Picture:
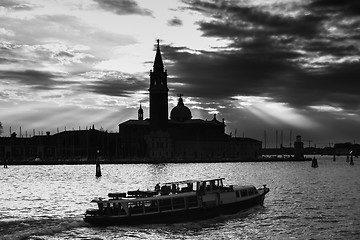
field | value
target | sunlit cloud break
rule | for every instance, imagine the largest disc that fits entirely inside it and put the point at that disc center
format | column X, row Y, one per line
column 273, row 112
column 327, row 108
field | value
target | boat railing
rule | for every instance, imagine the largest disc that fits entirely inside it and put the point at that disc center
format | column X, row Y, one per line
column 139, row 193
column 117, row 195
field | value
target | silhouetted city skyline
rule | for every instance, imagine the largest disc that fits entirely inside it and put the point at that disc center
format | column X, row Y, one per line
column 66, row 64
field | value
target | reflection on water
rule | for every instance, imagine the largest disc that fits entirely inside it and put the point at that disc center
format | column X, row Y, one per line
column 47, row 202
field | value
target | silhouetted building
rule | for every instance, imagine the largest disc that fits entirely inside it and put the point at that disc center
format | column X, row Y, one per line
column 68, row 145
column 181, row 137
column 346, row 149
column 159, row 138
column 298, row 148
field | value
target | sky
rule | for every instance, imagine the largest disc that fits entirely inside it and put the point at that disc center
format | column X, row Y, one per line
column 289, row 67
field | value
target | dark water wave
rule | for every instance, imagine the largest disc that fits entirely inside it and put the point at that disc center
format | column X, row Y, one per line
column 76, row 228
column 26, row 229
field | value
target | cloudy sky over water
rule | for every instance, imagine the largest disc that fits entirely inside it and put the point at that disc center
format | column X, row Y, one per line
column 262, row 65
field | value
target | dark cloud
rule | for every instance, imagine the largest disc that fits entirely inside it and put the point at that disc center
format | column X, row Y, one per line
column 302, row 60
column 34, row 79
column 9, row 54
column 244, row 21
column 123, row 7
column 26, row 48
column 15, row 5
column 105, row 83
column 249, row 20
column 53, row 96
column 64, row 54
column 335, row 85
column 346, row 7
column 175, row 22
column 223, row 75
column 115, row 83
column 220, row 76
column 6, row 60
column 333, row 46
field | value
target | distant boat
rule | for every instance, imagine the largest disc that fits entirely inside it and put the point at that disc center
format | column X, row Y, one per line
column 175, row 202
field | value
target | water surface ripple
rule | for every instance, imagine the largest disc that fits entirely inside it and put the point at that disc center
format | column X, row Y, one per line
column 48, row 202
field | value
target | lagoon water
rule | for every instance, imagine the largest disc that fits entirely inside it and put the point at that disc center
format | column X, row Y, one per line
column 48, row 202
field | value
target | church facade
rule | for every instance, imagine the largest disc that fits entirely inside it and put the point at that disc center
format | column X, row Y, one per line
column 180, row 138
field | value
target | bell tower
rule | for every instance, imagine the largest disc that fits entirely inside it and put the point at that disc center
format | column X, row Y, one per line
column 140, row 113
column 158, row 93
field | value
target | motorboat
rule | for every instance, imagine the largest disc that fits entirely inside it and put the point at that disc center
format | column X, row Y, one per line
column 175, row 202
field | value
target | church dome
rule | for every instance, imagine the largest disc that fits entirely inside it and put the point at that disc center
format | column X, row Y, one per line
column 180, row 113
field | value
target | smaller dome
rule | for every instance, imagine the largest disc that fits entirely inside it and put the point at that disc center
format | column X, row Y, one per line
column 180, row 113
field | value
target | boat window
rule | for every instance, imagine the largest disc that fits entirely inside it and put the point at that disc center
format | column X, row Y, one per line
column 121, row 210
column 208, row 188
column 151, row 206
column 251, row 191
column 192, row 201
column 202, row 187
column 136, row 207
column 178, row 203
column 174, row 188
column 213, row 185
column 165, row 204
column 243, row 193
column 108, row 207
column 237, row 194
column 116, row 209
column 220, row 183
column 101, row 206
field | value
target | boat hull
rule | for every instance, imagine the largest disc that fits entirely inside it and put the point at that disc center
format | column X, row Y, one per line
column 191, row 214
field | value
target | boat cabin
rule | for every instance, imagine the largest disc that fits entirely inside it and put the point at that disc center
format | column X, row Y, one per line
column 147, row 205
column 172, row 196
column 199, row 186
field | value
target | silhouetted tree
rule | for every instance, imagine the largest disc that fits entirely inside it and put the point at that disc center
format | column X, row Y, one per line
column 1, row 128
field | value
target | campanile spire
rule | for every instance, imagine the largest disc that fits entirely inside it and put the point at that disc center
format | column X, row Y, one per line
column 158, row 93
column 158, row 63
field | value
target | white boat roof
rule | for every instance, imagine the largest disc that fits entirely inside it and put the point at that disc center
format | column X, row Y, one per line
column 137, row 199
column 238, row 187
column 194, row 181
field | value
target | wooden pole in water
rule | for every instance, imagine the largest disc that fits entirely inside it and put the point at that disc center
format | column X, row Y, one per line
column 351, row 160
column 314, row 163
column 98, row 169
